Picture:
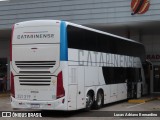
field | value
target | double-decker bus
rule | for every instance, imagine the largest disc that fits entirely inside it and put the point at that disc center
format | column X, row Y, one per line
column 58, row 65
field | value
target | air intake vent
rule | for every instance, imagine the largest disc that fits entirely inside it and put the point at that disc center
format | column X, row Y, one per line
column 35, row 64
column 35, row 81
column 34, row 72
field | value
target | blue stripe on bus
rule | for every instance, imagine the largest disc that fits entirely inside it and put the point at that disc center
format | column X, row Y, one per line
column 63, row 42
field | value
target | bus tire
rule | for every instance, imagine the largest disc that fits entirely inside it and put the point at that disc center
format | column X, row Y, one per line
column 99, row 100
column 89, row 100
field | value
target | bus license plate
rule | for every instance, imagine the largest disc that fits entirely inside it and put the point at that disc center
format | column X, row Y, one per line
column 35, row 105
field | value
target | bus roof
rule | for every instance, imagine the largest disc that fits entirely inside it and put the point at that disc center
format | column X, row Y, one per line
column 49, row 22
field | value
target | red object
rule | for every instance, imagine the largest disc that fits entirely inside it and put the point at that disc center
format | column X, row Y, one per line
column 12, row 85
column 140, row 6
column 153, row 57
column 49, row 104
column 60, row 88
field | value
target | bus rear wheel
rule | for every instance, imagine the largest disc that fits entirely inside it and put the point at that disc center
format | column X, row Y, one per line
column 99, row 100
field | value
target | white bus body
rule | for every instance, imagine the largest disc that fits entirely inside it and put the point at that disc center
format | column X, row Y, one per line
column 48, row 72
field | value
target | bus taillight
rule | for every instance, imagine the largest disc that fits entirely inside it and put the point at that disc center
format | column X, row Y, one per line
column 12, row 85
column 60, row 88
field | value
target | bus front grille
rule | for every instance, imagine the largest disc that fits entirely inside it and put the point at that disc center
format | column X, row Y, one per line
column 35, row 81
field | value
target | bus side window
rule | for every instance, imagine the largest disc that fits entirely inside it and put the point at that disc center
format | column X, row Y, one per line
column 114, row 75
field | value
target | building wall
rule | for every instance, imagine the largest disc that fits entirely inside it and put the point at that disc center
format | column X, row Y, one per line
column 4, row 48
column 78, row 11
column 152, row 43
column 4, row 53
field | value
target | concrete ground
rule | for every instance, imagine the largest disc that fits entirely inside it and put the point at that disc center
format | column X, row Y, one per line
column 111, row 110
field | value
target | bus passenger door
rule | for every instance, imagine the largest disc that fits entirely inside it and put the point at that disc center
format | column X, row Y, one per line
column 156, row 78
column 81, row 91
